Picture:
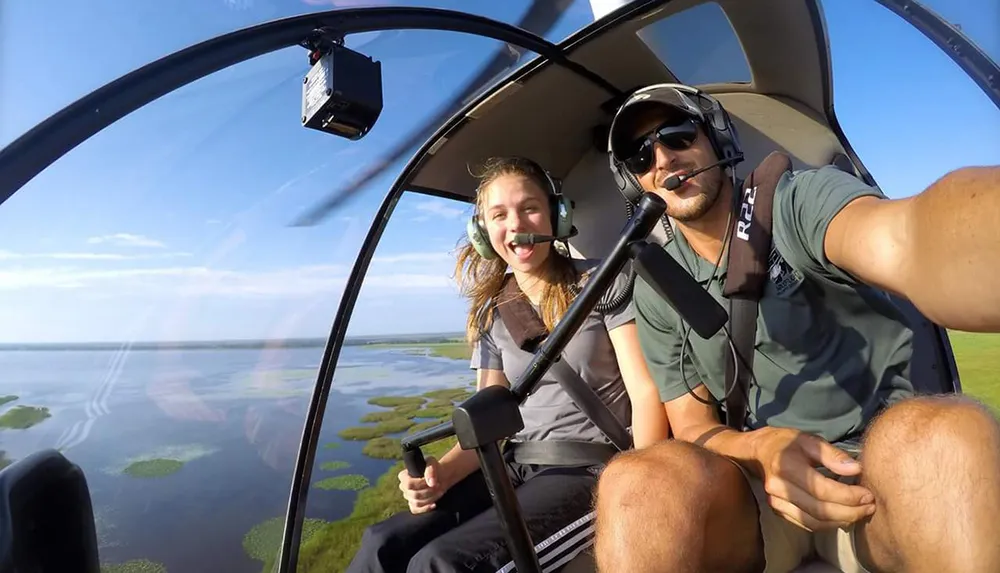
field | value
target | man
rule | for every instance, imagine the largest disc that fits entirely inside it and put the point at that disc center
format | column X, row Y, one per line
column 830, row 369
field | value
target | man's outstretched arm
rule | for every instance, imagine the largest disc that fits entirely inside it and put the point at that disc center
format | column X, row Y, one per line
column 939, row 249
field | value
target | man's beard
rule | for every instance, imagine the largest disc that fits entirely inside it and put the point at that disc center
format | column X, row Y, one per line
column 693, row 208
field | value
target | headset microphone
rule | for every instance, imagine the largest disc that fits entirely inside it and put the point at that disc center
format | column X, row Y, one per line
column 535, row 238
column 532, row 238
column 675, row 181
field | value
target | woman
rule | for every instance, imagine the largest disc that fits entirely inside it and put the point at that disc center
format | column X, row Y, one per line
column 451, row 526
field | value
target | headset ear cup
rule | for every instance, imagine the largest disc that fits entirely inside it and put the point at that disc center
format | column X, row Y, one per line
column 478, row 239
column 635, row 189
column 563, row 216
column 628, row 186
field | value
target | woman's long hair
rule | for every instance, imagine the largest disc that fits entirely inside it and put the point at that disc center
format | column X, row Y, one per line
column 482, row 280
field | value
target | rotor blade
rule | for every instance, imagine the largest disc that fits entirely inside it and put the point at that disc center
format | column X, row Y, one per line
column 539, row 19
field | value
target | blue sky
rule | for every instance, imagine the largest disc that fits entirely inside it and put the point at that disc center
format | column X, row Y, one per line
column 173, row 223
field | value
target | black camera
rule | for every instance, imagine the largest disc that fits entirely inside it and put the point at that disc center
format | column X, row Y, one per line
column 342, row 93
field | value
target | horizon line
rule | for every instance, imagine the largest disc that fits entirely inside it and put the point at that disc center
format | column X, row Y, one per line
column 312, row 340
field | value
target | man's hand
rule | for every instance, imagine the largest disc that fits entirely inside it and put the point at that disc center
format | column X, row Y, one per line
column 797, row 491
column 422, row 493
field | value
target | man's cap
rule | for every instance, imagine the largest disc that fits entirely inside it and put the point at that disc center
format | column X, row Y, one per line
column 665, row 96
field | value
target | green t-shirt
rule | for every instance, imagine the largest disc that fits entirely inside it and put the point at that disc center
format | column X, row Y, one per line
column 830, row 351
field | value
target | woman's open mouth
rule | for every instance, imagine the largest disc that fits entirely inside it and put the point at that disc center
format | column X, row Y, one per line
column 522, row 252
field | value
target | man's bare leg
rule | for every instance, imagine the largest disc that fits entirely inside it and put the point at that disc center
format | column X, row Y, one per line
column 676, row 507
column 933, row 464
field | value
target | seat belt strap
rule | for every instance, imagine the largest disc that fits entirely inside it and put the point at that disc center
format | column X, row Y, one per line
column 746, row 276
column 587, row 400
column 562, row 453
column 528, row 332
column 743, row 327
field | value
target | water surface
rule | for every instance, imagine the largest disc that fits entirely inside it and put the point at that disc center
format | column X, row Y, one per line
column 233, row 416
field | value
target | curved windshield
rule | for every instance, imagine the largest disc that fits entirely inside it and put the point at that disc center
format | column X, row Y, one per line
column 403, row 367
column 977, row 19
column 86, row 45
column 163, row 321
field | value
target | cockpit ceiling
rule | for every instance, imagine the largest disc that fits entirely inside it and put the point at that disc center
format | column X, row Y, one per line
column 552, row 115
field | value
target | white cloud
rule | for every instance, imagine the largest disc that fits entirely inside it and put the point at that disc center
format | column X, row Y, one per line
column 429, row 257
column 127, row 240
column 303, row 281
column 73, row 278
column 85, row 256
column 440, row 209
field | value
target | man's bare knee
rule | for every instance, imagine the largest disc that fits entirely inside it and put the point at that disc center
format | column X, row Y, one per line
column 947, row 427
column 657, row 507
column 669, row 460
column 933, row 461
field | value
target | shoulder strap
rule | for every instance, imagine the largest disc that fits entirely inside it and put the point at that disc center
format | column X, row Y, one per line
column 749, row 248
column 528, row 332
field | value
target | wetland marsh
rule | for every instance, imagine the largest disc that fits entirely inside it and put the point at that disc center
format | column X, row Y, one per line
column 189, row 450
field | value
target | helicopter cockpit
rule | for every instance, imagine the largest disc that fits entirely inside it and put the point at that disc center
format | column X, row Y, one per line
column 231, row 269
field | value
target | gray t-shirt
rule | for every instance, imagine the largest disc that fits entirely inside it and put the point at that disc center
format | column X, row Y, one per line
column 548, row 412
column 830, row 351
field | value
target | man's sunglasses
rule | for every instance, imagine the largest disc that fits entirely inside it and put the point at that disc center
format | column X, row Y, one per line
column 638, row 156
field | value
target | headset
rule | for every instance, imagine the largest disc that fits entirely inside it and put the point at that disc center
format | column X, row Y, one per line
column 560, row 207
column 721, row 132
column 722, row 135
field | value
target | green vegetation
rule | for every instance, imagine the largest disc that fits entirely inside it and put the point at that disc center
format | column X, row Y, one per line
column 332, row 445
column 6, row 399
column 423, row 426
column 330, row 546
column 346, row 482
column 386, row 416
column 393, row 426
column 134, row 566
column 407, row 409
column 4, row 460
column 334, row 466
column 455, row 348
column 448, row 394
column 978, row 359
column 334, row 545
column 262, row 542
column 433, row 413
column 23, row 417
column 158, row 467
column 360, row 433
column 383, row 449
column 396, row 401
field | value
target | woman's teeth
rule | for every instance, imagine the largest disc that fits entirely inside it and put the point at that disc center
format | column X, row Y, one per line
column 522, row 251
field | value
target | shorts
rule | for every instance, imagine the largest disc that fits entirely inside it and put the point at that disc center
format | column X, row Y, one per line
column 788, row 546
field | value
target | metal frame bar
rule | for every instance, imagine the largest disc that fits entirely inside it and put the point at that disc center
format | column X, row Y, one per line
column 424, row 190
column 292, row 532
column 297, row 496
column 963, row 51
column 35, row 150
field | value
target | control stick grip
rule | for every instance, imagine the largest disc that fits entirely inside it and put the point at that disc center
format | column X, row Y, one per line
column 414, row 461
